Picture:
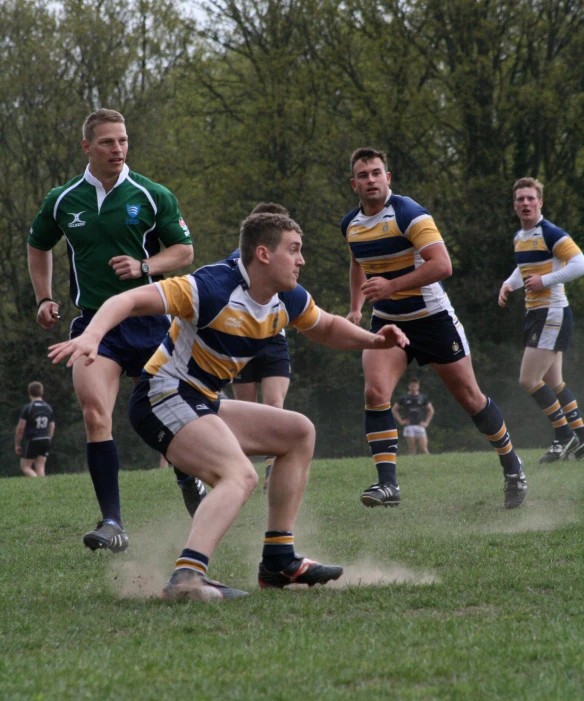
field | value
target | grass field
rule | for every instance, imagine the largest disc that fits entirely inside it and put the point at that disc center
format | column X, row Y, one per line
column 448, row 596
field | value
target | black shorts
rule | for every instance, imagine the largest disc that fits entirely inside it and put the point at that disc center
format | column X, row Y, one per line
column 272, row 361
column 438, row 338
column 158, row 412
column 130, row 344
column 549, row 328
column 36, row 447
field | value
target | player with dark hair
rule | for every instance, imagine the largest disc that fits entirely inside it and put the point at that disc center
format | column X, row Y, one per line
column 224, row 315
column 547, row 257
column 37, row 426
column 115, row 222
column 418, row 414
column 398, row 259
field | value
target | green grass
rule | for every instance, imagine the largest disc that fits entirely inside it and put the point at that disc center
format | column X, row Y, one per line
column 459, row 599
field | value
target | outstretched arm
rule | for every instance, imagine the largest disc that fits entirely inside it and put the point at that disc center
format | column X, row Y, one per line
column 139, row 302
column 336, row 332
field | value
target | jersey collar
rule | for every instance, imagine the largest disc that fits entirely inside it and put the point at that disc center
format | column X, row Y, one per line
column 243, row 272
column 101, row 193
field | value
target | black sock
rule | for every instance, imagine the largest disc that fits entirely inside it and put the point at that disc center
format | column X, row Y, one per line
column 104, row 464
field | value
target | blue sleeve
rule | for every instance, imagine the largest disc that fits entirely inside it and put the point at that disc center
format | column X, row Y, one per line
column 407, row 211
column 347, row 219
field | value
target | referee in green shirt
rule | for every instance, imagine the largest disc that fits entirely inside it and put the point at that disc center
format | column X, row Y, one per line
column 114, row 221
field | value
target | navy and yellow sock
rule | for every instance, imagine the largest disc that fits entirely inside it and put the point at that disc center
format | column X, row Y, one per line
column 547, row 401
column 382, row 438
column 278, row 550
column 491, row 424
column 571, row 411
column 192, row 560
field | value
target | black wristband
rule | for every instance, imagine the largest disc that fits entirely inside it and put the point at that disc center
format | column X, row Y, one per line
column 44, row 299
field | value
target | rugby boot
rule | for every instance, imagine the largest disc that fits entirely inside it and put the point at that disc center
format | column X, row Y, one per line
column 108, row 536
column 515, row 488
column 187, row 585
column 559, row 451
column 300, row 571
column 381, row 494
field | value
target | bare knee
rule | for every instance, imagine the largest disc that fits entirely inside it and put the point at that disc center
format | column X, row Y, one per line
column 97, row 420
column 472, row 400
column 374, row 396
column 245, row 479
column 305, row 433
column 527, row 383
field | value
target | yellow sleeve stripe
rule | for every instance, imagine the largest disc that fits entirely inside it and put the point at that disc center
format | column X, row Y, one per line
column 309, row 317
column 423, row 231
column 178, row 293
column 566, row 248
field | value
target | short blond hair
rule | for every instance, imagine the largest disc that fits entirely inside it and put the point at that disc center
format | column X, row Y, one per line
column 101, row 116
column 529, row 182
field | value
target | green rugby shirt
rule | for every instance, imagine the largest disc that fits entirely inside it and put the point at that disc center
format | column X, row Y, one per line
column 131, row 219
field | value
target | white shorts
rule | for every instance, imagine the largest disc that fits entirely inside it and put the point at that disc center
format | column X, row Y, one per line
column 414, row 432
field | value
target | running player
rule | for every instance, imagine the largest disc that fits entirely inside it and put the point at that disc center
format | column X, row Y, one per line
column 36, row 426
column 398, row 259
column 269, row 371
column 546, row 257
column 114, row 221
column 224, row 315
column 418, row 414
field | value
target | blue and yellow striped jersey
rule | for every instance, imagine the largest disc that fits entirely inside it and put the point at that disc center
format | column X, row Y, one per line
column 218, row 327
column 388, row 245
column 544, row 249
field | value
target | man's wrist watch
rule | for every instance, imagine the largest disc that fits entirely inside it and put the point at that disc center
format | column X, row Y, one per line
column 145, row 268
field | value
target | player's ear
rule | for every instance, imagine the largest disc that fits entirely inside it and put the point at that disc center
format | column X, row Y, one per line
column 263, row 254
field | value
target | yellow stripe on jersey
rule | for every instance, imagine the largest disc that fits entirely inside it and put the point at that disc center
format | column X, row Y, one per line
column 156, row 362
column 240, row 323
column 308, row 318
column 423, row 231
column 566, row 248
column 225, row 368
column 407, row 293
column 543, row 268
column 388, row 265
column 381, row 230
column 530, row 244
column 537, row 299
column 174, row 331
column 179, row 297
